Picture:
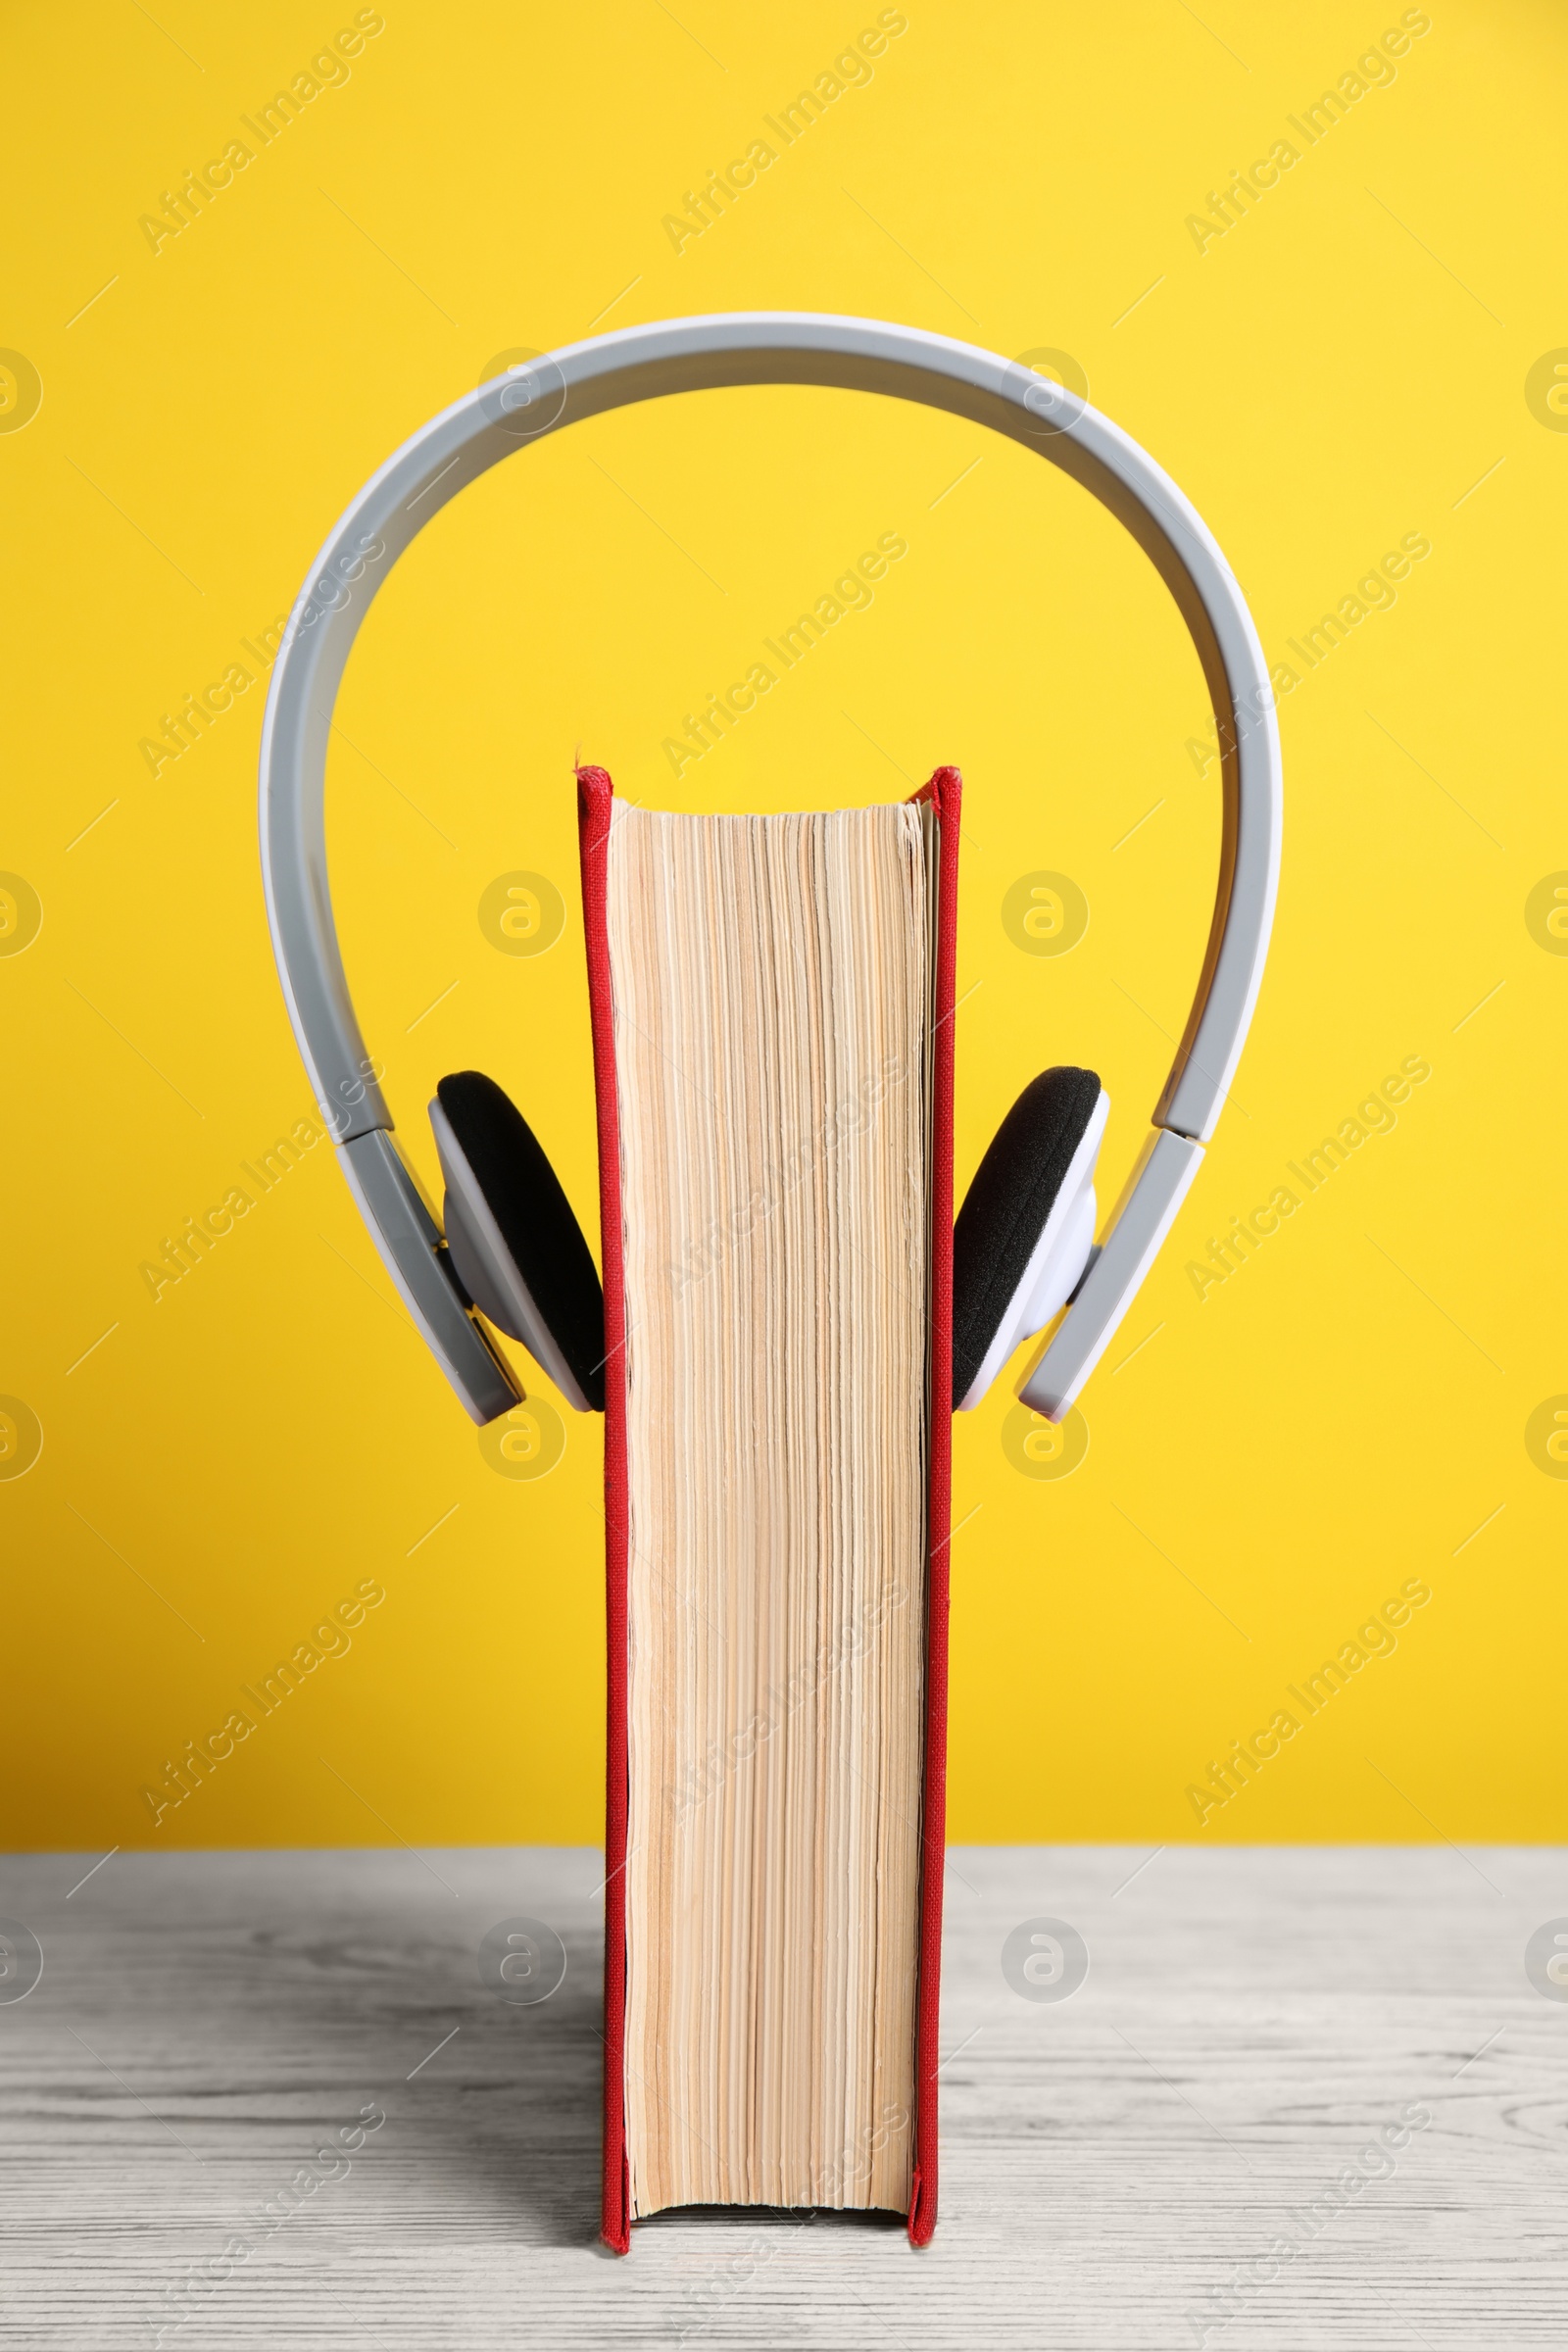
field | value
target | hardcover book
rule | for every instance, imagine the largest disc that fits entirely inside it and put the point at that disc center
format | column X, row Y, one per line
column 772, row 1020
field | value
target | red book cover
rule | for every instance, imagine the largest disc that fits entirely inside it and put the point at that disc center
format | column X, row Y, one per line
column 596, row 797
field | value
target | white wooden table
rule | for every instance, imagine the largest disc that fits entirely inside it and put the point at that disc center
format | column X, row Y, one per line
column 1252, row 2019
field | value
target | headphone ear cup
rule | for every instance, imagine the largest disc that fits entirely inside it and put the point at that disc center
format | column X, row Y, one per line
column 517, row 1247
column 1024, row 1235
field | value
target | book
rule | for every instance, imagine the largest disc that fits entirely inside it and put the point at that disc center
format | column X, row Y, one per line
column 771, row 1001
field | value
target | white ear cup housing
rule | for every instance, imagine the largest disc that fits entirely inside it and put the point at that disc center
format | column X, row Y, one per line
column 1057, row 1264
column 486, row 1267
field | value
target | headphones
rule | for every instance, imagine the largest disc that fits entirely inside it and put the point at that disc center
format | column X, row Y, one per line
column 508, row 1249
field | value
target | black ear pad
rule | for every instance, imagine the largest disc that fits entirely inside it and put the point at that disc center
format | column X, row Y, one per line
column 1006, row 1207
column 537, row 1224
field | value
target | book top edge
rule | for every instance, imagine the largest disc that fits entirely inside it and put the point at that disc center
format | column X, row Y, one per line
column 621, row 810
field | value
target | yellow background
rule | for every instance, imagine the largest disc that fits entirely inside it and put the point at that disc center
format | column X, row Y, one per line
column 1335, row 372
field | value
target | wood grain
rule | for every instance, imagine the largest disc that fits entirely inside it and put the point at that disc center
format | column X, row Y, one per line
column 1251, row 2019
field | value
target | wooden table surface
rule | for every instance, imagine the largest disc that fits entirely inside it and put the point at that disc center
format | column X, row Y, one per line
column 1118, row 2165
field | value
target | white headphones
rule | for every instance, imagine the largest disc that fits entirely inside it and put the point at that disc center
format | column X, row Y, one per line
column 1023, row 1244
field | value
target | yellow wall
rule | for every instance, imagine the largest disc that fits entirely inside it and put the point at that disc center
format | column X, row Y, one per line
column 1347, row 365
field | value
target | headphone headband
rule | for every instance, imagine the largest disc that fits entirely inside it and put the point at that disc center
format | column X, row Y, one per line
column 648, row 362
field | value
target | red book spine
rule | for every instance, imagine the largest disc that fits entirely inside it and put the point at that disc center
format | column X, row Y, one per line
column 595, row 804
column 945, row 792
